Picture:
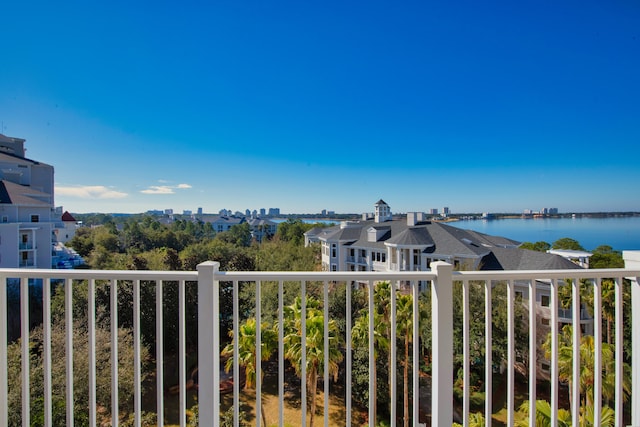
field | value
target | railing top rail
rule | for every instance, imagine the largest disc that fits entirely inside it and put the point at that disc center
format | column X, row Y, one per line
column 97, row 274
column 426, row 275
column 602, row 273
column 323, row 275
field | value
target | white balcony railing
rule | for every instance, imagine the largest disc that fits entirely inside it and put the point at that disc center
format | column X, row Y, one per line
column 213, row 286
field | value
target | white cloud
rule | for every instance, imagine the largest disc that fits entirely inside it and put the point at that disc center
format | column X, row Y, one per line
column 90, row 192
column 158, row 189
column 164, row 189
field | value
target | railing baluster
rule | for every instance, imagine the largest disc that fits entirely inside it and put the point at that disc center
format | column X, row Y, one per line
column 393, row 380
column 4, row 374
column 619, row 338
column 68, row 325
column 575, row 389
column 280, row 353
column 510, row 354
column 137, row 363
column 349, row 355
column 553, row 306
column 182, row 350
column 303, row 351
column 597, row 357
column 92, row 352
column 114, row 353
column 326, row 354
column 159, row 354
column 372, row 379
column 533, row 351
column 46, row 354
column 488, row 352
column 24, row 333
column 236, row 356
column 258, row 366
column 465, row 352
column 416, row 353
column 635, row 351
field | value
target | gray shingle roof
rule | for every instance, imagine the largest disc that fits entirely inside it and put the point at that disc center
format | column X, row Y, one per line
column 16, row 194
column 412, row 236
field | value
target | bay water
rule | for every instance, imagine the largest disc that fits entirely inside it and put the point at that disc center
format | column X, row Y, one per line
column 619, row 232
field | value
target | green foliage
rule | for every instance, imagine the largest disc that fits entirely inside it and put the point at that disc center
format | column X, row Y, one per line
column 605, row 257
column 292, row 230
column 239, row 235
column 567, row 243
column 537, row 246
column 81, row 371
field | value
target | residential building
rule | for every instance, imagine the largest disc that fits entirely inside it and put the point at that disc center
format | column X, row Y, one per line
column 261, row 228
column 68, row 229
column 222, row 223
column 27, row 220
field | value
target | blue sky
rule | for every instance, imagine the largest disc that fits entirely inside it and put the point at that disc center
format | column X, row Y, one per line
column 328, row 105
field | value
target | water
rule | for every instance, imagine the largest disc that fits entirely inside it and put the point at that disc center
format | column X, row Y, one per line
column 621, row 233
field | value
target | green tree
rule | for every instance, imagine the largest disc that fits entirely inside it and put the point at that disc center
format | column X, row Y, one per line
column 587, row 368
column 314, row 344
column 247, row 351
column 605, row 257
column 537, row 246
column 567, row 243
column 80, row 374
column 404, row 322
column 360, row 339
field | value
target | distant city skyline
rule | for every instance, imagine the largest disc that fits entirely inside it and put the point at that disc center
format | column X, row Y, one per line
column 330, row 106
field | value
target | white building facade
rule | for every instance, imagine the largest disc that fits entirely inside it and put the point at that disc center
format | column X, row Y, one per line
column 27, row 221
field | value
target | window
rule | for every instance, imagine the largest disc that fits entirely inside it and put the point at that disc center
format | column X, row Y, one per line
column 334, row 267
column 544, row 300
column 334, row 252
column 35, row 218
column 5, row 218
column 25, row 238
column 545, row 367
column 544, row 321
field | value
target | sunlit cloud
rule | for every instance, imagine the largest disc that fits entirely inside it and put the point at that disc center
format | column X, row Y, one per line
column 90, row 192
column 165, row 189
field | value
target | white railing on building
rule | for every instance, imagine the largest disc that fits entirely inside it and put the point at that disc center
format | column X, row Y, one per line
column 209, row 279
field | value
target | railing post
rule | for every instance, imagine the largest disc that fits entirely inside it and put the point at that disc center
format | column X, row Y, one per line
column 442, row 344
column 632, row 261
column 208, row 344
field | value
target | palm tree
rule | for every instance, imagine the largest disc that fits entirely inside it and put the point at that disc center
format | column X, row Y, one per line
column 382, row 302
column 404, row 324
column 587, row 368
column 543, row 415
column 360, row 338
column 247, row 351
column 313, row 347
